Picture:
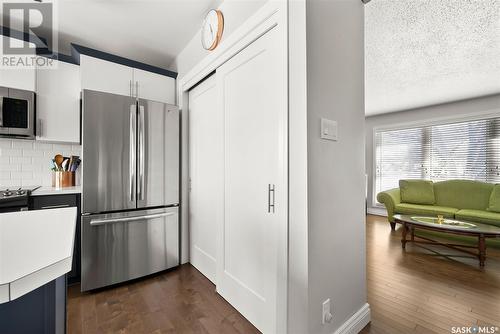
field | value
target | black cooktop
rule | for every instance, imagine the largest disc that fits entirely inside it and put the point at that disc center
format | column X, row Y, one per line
column 15, row 196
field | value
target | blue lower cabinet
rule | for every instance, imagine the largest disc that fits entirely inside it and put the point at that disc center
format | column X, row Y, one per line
column 41, row 311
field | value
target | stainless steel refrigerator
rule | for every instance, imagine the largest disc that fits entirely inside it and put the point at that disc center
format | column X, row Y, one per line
column 130, row 188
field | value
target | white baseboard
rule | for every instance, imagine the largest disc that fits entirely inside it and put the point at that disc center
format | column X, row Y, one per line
column 377, row 211
column 357, row 322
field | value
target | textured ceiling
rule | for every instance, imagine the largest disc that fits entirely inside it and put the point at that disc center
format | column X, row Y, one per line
column 425, row 52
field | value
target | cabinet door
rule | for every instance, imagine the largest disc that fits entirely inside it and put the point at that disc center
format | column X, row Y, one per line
column 105, row 76
column 206, row 176
column 154, row 87
column 58, row 103
column 63, row 201
column 20, row 78
column 251, row 257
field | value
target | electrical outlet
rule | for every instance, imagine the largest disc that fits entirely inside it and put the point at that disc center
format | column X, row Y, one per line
column 327, row 312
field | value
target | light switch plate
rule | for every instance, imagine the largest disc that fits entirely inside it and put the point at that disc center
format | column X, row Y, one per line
column 329, row 129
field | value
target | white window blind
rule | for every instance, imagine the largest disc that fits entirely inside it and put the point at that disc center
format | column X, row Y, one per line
column 463, row 150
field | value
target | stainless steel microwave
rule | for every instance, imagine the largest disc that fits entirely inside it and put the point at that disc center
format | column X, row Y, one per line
column 17, row 113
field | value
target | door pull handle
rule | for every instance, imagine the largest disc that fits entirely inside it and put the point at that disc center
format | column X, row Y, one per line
column 270, row 198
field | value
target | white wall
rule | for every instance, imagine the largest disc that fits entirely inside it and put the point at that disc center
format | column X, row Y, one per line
column 235, row 13
column 453, row 110
column 27, row 162
column 298, row 286
column 335, row 90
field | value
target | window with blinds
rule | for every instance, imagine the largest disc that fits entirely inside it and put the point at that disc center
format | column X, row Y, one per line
column 464, row 150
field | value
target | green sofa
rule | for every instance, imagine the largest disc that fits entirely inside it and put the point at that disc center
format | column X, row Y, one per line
column 460, row 199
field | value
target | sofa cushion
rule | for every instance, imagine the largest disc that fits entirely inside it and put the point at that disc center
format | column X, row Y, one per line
column 425, row 210
column 417, row 191
column 463, row 194
column 480, row 216
column 495, row 199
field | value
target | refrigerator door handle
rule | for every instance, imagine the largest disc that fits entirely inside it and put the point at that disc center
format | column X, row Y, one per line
column 97, row 222
column 141, row 153
column 132, row 152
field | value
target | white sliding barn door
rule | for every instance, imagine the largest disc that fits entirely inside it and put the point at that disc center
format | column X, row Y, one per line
column 252, row 245
column 206, row 172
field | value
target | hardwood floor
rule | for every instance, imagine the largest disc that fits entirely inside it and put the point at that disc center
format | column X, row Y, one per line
column 421, row 291
column 417, row 291
column 178, row 301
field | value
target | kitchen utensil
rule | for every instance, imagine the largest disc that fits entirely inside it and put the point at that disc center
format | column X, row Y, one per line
column 59, row 159
column 65, row 165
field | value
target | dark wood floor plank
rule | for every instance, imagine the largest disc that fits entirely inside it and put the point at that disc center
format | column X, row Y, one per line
column 177, row 301
column 417, row 291
column 423, row 290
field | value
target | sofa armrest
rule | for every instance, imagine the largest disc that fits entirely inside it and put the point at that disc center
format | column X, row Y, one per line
column 390, row 198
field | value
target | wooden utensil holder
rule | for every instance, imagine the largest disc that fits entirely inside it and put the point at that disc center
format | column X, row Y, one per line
column 63, row 179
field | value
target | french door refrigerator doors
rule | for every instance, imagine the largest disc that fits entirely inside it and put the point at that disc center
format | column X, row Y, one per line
column 117, row 247
column 109, row 136
column 157, row 154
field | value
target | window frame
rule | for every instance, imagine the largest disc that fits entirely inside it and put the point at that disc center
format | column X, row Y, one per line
column 484, row 115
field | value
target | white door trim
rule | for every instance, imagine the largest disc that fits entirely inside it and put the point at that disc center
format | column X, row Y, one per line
column 271, row 14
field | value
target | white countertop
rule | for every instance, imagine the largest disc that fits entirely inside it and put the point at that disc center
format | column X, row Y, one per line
column 36, row 247
column 56, row 191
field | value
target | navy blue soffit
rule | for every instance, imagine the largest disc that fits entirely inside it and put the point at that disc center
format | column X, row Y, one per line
column 56, row 56
column 77, row 50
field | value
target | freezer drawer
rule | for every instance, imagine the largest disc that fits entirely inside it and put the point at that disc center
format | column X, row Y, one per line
column 121, row 246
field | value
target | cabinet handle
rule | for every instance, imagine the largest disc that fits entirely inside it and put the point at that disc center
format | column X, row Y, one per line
column 130, row 88
column 55, row 206
column 137, row 89
column 270, row 198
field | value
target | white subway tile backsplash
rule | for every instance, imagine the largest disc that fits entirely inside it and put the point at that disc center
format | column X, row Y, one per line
column 4, row 175
column 28, row 163
column 61, row 147
column 22, row 144
column 10, row 168
column 9, row 152
column 10, row 183
column 32, row 153
column 43, row 146
column 31, row 168
column 20, row 160
column 21, row 175
column 44, row 161
column 32, row 182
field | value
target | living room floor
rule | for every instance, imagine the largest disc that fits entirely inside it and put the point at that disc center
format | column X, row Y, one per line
column 421, row 291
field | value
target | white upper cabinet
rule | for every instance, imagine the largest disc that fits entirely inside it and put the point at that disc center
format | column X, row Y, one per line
column 58, row 103
column 155, row 87
column 105, row 76
column 20, row 78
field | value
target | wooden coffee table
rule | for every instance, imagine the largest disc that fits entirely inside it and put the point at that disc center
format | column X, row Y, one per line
column 451, row 226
